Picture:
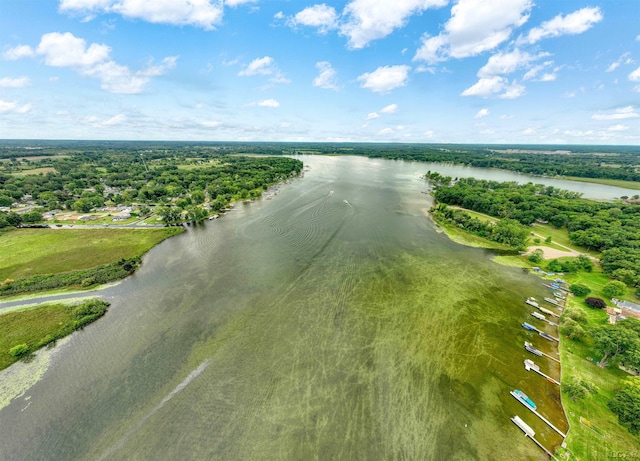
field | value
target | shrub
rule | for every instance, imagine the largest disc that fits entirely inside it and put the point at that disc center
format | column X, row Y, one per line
column 536, row 256
column 626, row 404
column 596, row 303
column 579, row 289
column 88, row 282
column 577, row 315
column 578, row 389
column 613, row 289
column 626, row 276
column 19, row 350
column 554, row 266
column 572, row 329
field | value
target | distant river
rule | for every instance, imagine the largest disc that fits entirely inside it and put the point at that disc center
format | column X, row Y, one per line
column 332, row 322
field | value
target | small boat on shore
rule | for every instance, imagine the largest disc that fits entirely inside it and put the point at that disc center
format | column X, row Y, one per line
column 546, row 311
column 524, row 427
column 538, row 316
column 522, row 397
column 531, row 348
column 529, row 327
column 552, row 301
column 547, row 336
column 532, row 302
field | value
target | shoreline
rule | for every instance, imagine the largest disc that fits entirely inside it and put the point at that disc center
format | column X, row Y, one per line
column 14, row 301
column 461, row 237
column 588, row 417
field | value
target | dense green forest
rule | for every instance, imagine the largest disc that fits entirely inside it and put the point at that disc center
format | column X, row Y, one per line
column 610, row 162
column 613, row 229
column 180, row 180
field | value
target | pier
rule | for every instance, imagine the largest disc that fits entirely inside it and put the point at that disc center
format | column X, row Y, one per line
column 531, row 348
column 543, row 318
column 532, row 302
column 553, row 301
column 528, row 432
column 519, row 399
column 530, row 365
column 545, row 335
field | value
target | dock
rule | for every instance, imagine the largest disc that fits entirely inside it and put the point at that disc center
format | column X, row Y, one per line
column 519, row 399
column 531, row 348
column 553, row 301
column 530, row 365
column 543, row 318
column 545, row 335
column 528, row 432
column 534, row 303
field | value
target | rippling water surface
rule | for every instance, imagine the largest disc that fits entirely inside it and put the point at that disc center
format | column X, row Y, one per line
column 332, row 322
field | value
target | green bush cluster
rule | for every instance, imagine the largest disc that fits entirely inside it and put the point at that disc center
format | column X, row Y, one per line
column 509, row 232
column 577, row 389
column 579, row 289
column 626, row 404
column 80, row 315
column 83, row 278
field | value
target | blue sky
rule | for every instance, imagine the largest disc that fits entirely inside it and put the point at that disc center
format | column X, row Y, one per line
column 465, row 71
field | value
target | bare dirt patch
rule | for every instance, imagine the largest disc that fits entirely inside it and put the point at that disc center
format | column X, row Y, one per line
column 551, row 253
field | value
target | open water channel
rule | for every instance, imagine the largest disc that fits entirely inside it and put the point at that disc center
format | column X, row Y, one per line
column 332, row 322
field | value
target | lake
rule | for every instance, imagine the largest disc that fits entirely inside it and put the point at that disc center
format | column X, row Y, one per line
column 331, row 322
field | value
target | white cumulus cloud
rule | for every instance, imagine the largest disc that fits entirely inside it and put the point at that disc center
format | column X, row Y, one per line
column 13, row 107
column 487, row 87
column 385, row 78
column 506, row 63
column 635, row 75
column 618, row 114
column 368, row 20
column 259, row 66
column 475, row 26
column 234, row 3
column 18, row 52
column 269, row 103
column 618, row 127
column 513, row 91
column 20, row 82
column 327, row 76
column 67, row 50
column 199, row 13
column 118, row 119
column 573, row 23
column 482, row 113
column 390, row 109
column 264, row 66
column 321, row 16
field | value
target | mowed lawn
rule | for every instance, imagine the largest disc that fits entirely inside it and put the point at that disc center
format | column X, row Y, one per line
column 27, row 252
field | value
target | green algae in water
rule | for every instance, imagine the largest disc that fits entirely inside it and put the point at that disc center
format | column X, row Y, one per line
column 334, row 323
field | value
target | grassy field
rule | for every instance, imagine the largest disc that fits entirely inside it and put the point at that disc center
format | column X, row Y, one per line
column 609, row 182
column 464, row 238
column 605, row 436
column 43, row 171
column 41, row 325
column 27, row 252
column 479, row 216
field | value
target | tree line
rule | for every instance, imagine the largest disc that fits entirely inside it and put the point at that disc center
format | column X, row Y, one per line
column 611, row 228
column 181, row 180
column 610, row 162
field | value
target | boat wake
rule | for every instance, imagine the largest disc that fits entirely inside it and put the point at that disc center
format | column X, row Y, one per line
column 193, row 375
